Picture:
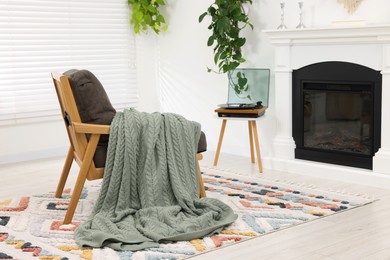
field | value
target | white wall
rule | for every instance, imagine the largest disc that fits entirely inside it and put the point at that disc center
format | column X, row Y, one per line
column 172, row 74
column 32, row 140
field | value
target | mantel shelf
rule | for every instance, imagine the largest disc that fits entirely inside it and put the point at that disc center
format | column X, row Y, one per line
column 331, row 35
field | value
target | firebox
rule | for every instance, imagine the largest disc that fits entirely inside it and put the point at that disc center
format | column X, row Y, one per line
column 336, row 113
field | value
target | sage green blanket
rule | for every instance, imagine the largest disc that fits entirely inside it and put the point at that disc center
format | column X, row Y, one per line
column 150, row 190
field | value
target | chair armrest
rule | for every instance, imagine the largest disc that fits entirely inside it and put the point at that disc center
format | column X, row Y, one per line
column 91, row 128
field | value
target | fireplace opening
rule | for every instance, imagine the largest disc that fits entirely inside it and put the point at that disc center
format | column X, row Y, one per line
column 337, row 113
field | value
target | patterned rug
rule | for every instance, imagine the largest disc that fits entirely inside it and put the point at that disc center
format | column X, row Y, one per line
column 31, row 227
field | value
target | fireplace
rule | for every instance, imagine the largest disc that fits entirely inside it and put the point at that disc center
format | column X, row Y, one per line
column 336, row 110
column 367, row 46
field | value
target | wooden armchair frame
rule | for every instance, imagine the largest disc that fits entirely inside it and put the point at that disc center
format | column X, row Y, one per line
column 81, row 149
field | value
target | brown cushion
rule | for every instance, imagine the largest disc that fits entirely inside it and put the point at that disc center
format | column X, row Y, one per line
column 91, row 99
column 100, row 155
column 93, row 105
column 202, row 145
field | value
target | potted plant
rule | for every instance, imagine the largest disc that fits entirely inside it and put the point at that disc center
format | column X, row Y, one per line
column 228, row 19
column 146, row 14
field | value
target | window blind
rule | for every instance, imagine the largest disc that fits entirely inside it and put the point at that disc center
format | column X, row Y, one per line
column 41, row 36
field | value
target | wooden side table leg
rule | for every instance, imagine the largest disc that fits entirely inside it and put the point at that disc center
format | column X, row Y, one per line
column 257, row 146
column 220, row 142
column 251, row 141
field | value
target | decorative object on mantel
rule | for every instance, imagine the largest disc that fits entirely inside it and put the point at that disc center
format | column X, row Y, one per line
column 300, row 25
column 282, row 25
column 350, row 5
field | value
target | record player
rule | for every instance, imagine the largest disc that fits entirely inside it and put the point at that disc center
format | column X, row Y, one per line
column 247, row 93
column 241, row 105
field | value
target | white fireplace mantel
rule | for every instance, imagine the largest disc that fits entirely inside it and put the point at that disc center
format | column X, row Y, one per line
column 331, row 35
column 365, row 45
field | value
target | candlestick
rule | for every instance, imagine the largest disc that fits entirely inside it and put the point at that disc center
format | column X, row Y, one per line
column 282, row 25
column 300, row 25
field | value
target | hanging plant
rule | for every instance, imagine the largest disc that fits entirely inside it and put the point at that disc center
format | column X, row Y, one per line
column 228, row 18
column 146, row 14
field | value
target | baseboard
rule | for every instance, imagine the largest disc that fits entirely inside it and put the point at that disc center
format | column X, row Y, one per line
column 33, row 155
column 329, row 171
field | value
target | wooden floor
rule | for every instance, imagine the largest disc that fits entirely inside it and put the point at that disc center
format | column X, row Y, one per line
column 361, row 233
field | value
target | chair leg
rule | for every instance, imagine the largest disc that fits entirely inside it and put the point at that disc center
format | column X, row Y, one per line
column 87, row 160
column 202, row 192
column 76, row 194
column 65, row 173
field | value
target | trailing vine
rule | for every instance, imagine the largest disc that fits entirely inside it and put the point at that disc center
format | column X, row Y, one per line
column 146, row 14
column 228, row 18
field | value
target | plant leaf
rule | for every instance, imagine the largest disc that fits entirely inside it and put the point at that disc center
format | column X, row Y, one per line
column 201, row 17
column 210, row 41
column 151, row 9
column 160, row 18
column 136, row 28
column 223, row 25
column 164, row 28
column 241, row 42
column 139, row 16
column 242, row 82
column 148, row 19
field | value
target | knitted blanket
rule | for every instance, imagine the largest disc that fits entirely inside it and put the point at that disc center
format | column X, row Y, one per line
column 150, row 191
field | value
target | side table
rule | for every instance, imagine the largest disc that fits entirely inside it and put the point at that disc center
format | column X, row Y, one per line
column 252, row 128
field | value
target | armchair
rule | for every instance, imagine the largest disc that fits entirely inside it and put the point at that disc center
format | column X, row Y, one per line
column 87, row 113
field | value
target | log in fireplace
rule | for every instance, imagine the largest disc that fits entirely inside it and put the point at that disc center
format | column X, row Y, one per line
column 337, row 113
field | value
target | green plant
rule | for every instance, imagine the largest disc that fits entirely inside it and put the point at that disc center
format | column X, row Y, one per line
column 240, row 85
column 146, row 14
column 228, row 18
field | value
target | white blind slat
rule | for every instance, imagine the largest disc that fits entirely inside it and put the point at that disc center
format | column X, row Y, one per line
column 41, row 36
